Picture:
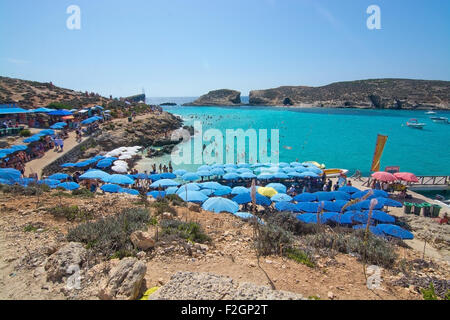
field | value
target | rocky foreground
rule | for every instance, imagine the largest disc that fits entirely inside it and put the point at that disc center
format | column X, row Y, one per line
column 80, row 246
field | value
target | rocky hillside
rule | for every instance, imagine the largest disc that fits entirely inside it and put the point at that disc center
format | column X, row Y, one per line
column 378, row 93
column 31, row 94
column 223, row 97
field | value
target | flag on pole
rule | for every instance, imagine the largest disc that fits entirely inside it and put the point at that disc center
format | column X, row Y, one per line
column 381, row 142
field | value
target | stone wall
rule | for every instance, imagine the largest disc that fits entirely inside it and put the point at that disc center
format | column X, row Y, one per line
column 72, row 156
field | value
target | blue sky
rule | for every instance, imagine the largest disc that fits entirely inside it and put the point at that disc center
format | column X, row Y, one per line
column 188, row 47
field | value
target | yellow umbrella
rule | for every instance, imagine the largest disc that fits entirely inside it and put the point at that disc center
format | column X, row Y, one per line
column 267, row 192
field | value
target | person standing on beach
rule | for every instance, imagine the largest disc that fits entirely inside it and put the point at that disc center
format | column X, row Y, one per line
column 160, row 168
column 329, row 185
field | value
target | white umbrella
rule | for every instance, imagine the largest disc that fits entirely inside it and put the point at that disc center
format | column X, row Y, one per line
column 119, row 169
column 113, row 153
column 120, row 163
column 125, row 157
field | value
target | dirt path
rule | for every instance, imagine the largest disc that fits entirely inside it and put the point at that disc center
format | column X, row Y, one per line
column 38, row 164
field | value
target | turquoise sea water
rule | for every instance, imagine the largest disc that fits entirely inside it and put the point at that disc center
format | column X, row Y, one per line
column 340, row 138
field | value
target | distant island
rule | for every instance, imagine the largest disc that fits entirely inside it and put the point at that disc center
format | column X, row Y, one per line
column 223, row 97
column 369, row 94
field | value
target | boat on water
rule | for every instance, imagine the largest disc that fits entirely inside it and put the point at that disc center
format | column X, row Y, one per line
column 414, row 123
column 430, row 112
column 315, row 163
column 439, row 119
column 334, row 173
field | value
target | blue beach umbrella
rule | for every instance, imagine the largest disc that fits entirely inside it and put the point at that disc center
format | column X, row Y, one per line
column 95, row 174
column 223, row 191
column 239, row 190
column 395, row 231
column 24, row 181
column 47, row 132
column 156, row 194
column 217, row 165
column 171, row 190
column 190, row 176
column 349, row 189
column 211, row 185
column 219, row 204
column 243, row 170
column 280, row 197
column 49, row 182
column 168, row 175
column 345, row 218
column 133, row 192
column 247, row 216
column 332, row 206
column 8, row 182
column 281, row 188
column 60, row 113
column 392, row 203
column 324, row 196
column 230, row 165
column 283, row 164
column 265, row 176
column 59, row 176
column 188, row 187
column 247, row 198
column 305, row 197
column 231, row 176
column 280, row 175
column 164, row 183
column 285, row 206
column 193, row 196
column 154, row 177
column 340, row 195
column 204, row 168
column 104, row 163
column 308, row 174
column 230, row 170
column 140, row 176
column 111, row 188
column 68, row 185
column 68, row 165
column 118, row 179
column 294, row 174
column 307, row 206
column 204, row 173
column 243, row 165
column 18, row 148
column 208, row 192
column 247, row 175
column 374, row 229
column 10, row 174
column 180, row 172
column 288, row 169
column 381, row 216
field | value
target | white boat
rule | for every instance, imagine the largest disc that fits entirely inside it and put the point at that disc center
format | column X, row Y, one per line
column 413, row 123
column 439, row 119
column 430, row 112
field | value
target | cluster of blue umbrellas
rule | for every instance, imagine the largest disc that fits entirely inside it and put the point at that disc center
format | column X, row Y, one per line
column 59, row 126
column 91, row 120
column 6, row 152
column 36, row 137
column 263, row 172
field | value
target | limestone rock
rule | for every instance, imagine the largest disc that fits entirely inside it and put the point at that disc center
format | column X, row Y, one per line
column 124, row 281
column 142, row 240
column 65, row 261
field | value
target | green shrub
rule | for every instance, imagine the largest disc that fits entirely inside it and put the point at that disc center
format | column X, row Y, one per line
column 59, row 106
column 186, row 230
column 377, row 251
column 71, row 213
column 110, row 236
column 175, row 200
column 25, row 133
column 30, row 228
column 299, row 256
column 162, row 205
column 82, row 193
column 271, row 239
column 289, row 222
column 429, row 294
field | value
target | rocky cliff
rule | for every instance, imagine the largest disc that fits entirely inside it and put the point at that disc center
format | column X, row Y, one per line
column 223, row 97
column 377, row 93
column 33, row 94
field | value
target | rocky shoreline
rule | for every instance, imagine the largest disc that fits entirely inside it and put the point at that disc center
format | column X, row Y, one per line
column 397, row 94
